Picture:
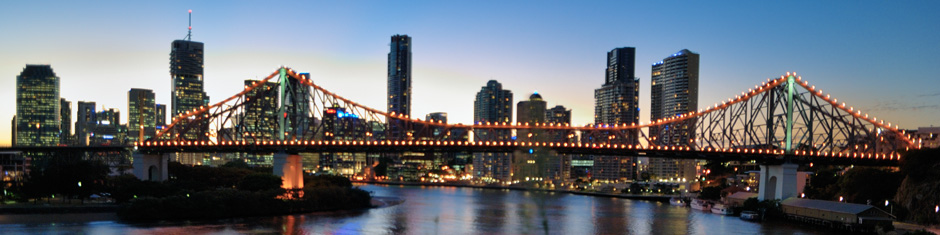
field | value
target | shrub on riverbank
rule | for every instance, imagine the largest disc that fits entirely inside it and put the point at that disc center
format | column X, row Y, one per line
column 227, row 203
column 254, row 194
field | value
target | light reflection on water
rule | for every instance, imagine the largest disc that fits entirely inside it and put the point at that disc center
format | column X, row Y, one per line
column 449, row 210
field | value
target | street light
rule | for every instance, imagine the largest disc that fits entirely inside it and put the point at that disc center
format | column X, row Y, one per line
column 892, row 207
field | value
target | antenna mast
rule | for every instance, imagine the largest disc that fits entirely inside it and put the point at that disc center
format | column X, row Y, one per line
column 189, row 35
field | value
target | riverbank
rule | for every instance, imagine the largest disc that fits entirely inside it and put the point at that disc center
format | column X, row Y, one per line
column 656, row 198
column 28, row 208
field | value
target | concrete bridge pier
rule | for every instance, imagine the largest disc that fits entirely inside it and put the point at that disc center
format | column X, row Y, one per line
column 290, row 169
column 777, row 181
column 151, row 167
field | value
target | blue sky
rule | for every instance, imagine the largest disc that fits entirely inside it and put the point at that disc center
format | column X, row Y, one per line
column 878, row 56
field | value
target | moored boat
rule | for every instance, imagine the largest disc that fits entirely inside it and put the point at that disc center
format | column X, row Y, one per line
column 721, row 209
column 750, row 215
column 676, row 201
column 700, row 204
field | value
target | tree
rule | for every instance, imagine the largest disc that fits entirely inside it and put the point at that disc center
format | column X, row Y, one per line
column 863, row 184
column 259, row 182
column 710, row 193
column 320, row 181
column 824, row 184
column 70, row 177
column 382, row 168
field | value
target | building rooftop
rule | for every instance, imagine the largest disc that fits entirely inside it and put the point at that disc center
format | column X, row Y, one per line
column 742, row 195
column 848, row 208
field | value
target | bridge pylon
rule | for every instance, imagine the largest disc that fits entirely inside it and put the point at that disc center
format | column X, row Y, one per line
column 152, row 167
column 290, row 169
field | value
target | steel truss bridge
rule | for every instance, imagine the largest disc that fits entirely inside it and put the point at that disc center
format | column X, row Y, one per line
column 782, row 119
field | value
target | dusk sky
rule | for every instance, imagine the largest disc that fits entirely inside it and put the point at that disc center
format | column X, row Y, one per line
column 879, row 56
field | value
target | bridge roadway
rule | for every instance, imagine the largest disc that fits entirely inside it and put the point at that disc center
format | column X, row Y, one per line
column 762, row 156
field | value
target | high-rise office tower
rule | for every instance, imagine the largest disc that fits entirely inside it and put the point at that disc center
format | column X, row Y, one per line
column 261, row 111
column 536, row 163
column 186, row 71
column 141, row 114
column 108, row 129
column 531, row 111
column 399, row 84
column 65, row 126
column 85, row 121
column 617, row 102
column 37, row 107
column 674, row 91
column 494, row 105
column 160, row 115
column 297, row 103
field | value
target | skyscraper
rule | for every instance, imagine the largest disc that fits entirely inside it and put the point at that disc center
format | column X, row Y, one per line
column 530, row 112
column 261, row 111
column 399, row 83
column 37, row 106
column 674, row 91
column 108, row 129
column 141, row 116
column 617, row 102
column 65, row 126
column 558, row 115
column 436, row 117
column 492, row 104
column 13, row 131
column 160, row 115
column 85, row 121
column 536, row 163
column 186, row 70
column 297, row 102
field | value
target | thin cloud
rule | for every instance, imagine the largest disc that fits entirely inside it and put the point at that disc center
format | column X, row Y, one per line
column 929, row 95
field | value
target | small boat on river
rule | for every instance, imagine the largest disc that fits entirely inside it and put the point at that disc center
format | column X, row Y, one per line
column 700, row 204
column 677, row 201
column 750, row 216
column 721, row 209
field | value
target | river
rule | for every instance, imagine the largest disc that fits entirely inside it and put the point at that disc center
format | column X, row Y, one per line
column 438, row 210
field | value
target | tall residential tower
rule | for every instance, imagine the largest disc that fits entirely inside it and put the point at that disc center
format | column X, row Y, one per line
column 493, row 104
column 617, row 102
column 399, row 83
column 674, row 91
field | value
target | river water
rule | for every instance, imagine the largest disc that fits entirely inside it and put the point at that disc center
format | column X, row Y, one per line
column 438, row 210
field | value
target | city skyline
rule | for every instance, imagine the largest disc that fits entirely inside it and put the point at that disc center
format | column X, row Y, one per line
column 526, row 54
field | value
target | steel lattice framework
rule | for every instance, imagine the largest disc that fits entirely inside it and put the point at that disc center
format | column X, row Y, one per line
column 781, row 118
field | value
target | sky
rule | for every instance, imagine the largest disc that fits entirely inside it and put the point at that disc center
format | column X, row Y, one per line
column 878, row 56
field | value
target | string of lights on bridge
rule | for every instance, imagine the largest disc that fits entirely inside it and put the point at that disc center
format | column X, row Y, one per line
column 389, row 143
column 758, row 89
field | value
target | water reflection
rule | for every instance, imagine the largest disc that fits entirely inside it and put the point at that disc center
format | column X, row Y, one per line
column 446, row 210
